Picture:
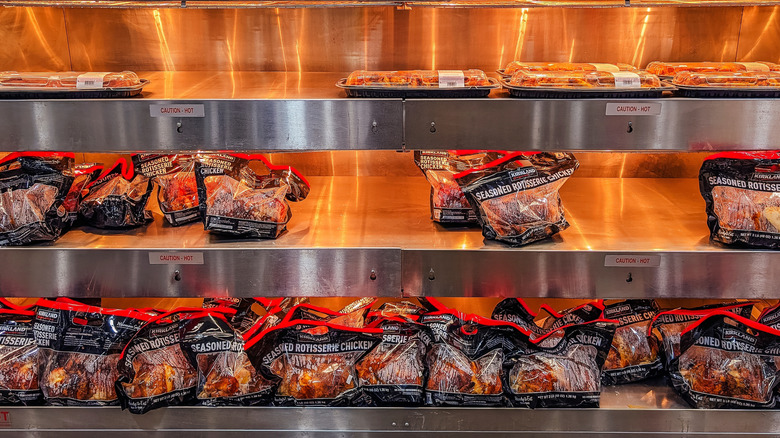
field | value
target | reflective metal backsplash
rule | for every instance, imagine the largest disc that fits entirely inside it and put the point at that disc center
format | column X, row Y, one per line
column 345, row 39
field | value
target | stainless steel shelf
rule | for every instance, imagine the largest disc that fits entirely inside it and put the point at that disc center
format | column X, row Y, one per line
column 240, row 110
column 648, row 409
column 351, row 226
column 306, row 111
column 583, row 124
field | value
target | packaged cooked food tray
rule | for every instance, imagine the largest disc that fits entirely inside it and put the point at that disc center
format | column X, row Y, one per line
column 514, row 66
column 670, row 69
column 727, row 84
column 742, row 195
column 418, row 83
column 584, row 84
column 46, row 85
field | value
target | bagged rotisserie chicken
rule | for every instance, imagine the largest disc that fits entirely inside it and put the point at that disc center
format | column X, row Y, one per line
column 33, row 188
column 634, row 352
column 18, row 359
column 727, row 361
column 235, row 200
column 312, row 362
column 393, row 373
column 177, row 191
column 464, row 360
column 225, row 375
column 448, row 202
column 154, row 369
column 561, row 369
column 516, row 311
column 742, row 193
column 79, row 348
column 516, row 197
column 667, row 326
column 117, row 198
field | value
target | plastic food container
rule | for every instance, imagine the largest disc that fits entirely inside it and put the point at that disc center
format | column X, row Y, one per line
column 583, row 84
column 70, row 84
column 669, row 69
column 418, row 83
column 514, row 66
column 728, row 84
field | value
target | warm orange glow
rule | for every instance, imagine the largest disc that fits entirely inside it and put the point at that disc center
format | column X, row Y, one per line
column 164, row 50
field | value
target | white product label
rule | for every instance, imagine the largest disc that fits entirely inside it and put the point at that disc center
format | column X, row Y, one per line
column 633, row 261
column 754, row 66
column 176, row 258
column 451, row 79
column 606, row 67
column 633, row 109
column 626, row 79
column 90, row 81
column 186, row 110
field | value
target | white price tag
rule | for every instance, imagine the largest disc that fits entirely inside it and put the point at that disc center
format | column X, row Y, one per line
column 176, row 258
column 606, row 67
column 633, row 109
column 90, row 81
column 626, row 79
column 633, row 261
column 755, row 66
column 451, row 79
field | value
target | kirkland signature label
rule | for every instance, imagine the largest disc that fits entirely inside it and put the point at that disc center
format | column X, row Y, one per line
column 633, row 261
column 180, row 110
column 175, row 258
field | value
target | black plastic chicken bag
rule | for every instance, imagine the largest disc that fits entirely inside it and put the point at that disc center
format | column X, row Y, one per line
column 33, row 187
column 312, row 362
column 516, row 197
column 634, row 353
column 516, row 311
column 727, row 362
column 177, row 191
column 117, row 198
column 668, row 325
column 235, row 200
column 154, row 368
column 559, row 370
column 79, row 348
column 225, row 374
column 742, row 195
column 464, row 360
column 393, row 373
column 18, row 359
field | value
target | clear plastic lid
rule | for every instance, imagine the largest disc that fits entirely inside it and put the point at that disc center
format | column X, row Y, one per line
column 585, row 79
column 70, row 79
column 514, row 66
column 419, row 78
column 672, row 68
column 728, row 79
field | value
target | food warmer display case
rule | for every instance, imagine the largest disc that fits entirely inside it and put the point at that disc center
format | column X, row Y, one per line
column 166, row 156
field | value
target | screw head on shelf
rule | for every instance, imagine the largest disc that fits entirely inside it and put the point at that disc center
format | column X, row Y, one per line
column 177, row 275
column 431, row 275
column 373, row 275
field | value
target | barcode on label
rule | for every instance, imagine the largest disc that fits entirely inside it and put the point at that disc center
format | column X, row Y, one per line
column 626, row 79
column 90, row 81
column 451, row 79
